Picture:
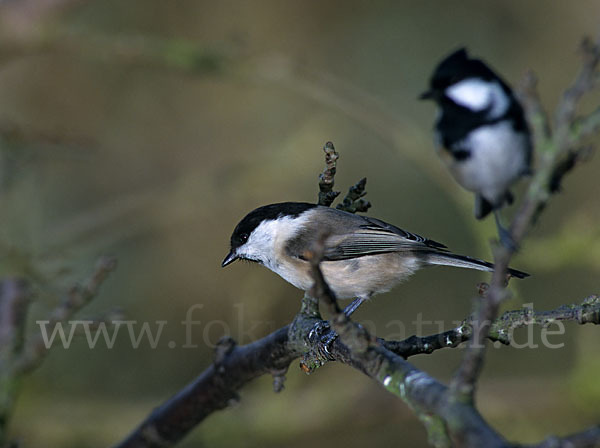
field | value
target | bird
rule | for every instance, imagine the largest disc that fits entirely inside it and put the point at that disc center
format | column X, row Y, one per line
column 362, row 256
column 481, row 133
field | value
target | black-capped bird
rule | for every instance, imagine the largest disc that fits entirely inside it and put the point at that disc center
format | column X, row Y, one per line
column 362, row 256
column 481, row 133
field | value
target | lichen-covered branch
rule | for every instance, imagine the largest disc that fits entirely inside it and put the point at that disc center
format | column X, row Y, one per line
column 501, row 329
column 382, row 360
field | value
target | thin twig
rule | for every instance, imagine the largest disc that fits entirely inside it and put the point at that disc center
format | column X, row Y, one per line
column 501, row 329
column 353, row 201
column 327, row 177
column 79, row 296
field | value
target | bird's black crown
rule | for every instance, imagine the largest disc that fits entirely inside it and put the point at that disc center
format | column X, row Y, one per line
column 268, row 212
column 459, row 66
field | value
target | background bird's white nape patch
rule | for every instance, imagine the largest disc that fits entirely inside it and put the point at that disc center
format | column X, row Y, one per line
column 477, row 95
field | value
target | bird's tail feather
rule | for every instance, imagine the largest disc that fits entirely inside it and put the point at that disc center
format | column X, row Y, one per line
column 463, row 261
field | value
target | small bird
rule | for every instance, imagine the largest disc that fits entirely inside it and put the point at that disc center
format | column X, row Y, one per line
column 362, row 256
column 481, row 133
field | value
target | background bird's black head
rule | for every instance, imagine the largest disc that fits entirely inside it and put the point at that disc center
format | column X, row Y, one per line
column 455, row 68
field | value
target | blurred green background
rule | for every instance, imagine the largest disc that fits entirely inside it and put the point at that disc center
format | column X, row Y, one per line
column 147, row 129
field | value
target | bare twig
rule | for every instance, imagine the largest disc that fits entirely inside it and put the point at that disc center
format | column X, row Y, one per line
column 79, row 296
column 353, row 201
column 584, row 82
column 327, row 177
column 14, row 302
column 538, row 119
column 19, row 356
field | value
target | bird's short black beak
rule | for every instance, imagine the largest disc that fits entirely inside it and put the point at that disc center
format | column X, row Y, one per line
column 230, row 258
column 427, row 95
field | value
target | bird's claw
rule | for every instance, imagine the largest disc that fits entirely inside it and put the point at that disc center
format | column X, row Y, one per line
column 323, row 335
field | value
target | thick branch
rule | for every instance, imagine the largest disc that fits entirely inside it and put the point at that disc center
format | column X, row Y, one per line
column 214, row 389
column 217, row 386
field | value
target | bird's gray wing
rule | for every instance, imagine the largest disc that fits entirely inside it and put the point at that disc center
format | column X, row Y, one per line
column 376, row 237
column 352, row 236
column 379, row 225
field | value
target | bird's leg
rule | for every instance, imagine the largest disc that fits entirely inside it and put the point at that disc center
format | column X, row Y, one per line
column 354, row 306
column 506, row 238
column 331, row 335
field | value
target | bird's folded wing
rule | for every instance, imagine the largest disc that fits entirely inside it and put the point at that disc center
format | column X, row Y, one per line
column 370, row 242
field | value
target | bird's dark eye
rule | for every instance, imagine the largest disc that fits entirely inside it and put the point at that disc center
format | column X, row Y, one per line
column 244, row 237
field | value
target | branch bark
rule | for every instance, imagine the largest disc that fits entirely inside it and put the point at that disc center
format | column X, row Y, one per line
column 235, row 366
column 216, row 388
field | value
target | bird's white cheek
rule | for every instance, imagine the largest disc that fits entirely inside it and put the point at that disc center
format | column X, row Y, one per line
column 471, row 93
column 478, row 95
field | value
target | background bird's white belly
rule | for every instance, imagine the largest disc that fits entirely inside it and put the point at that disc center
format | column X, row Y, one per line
column 496, row 161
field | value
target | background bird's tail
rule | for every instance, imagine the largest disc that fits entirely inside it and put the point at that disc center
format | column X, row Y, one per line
column 463, row 261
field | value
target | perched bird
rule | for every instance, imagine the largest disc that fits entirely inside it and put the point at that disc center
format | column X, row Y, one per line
column 362, row 256
column 481, row 133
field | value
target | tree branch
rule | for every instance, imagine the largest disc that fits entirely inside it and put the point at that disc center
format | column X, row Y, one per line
column 35, row 350
column 542, row 185
column 214, row 389
column 353, row 201
column 18, row 356
column 501, row 329
column 15, row 296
